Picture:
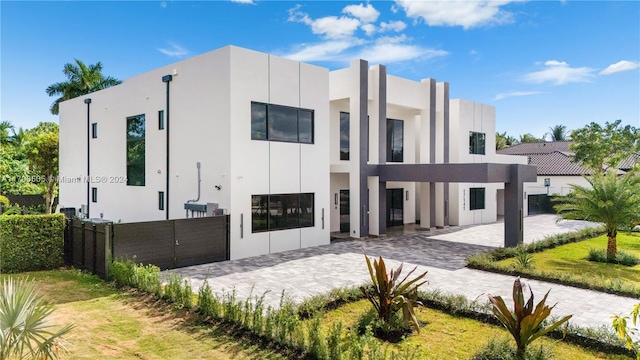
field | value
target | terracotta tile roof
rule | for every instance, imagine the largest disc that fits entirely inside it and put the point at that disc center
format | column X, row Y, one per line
column 536, row 148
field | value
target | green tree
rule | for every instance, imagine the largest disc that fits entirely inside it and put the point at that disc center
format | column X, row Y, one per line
column 18, row 141
column 503, row 140
column 558, row 133
column 5, row 126
column 81, row 80
column 612, row 200
column 42, row 154
column 529, row 138
column 15, row 176
column 599, row 148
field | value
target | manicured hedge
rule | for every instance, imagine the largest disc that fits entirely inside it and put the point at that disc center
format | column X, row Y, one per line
column 31, row 242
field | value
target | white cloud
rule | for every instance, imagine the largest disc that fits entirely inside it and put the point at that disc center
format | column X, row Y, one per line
column 516, row 93
column 396, row 26
column 369, row 29
column 174, row 50
column 473, row 52
column 620, row 66
column 559, row 73
column 366, row 13
column 332, row 27
column 332, row 50
column 340, row 41
column 467, row 14
column 250, row 2
column 386, row 53
column 163, row 4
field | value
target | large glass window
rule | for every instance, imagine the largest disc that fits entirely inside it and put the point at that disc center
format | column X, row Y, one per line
column 476, row 143
column 135, row 150
column 476, row 201
column 395, row 143
column 281, row 211
column 281, row 123
column 344, row 136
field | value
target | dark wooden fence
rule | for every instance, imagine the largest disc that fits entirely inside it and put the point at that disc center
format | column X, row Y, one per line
column 167, row 244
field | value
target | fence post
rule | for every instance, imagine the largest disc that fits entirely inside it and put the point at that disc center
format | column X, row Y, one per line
column 84, row 240
column 228, row 226
column 107, row 250
column 94, row 228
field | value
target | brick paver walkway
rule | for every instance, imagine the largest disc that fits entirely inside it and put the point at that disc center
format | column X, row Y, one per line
column 306, row 272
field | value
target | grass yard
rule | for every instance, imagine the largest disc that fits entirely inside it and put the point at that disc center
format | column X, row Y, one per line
column 113, row 324
column 571, row 258
column 443, row 336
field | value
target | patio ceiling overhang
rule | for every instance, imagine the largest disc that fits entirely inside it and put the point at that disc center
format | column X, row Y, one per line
column 455, row 173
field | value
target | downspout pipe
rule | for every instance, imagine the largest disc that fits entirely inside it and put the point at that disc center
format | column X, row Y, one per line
column 167, row 79
column 198, row 199
column 88, row 102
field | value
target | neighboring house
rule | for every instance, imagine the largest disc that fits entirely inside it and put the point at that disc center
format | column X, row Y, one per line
column 290, row 150
column 555, row 168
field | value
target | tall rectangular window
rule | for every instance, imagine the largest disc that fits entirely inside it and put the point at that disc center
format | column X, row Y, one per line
column 136, row 150
column 160, row 200
column 94, row 130
column 161, row 120
column 344, row 135
column 476, row 143
column 395, row 140
column 94, row 194
column 281, row 123
column 281, row 211
column 476, row 201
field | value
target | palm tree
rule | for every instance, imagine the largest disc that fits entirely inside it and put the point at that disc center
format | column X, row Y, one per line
column 558, row 133
column 612, row 200
column 24, row 323
column 5, row 126
column 82, row 80
column 529, row 138
column 19, row 140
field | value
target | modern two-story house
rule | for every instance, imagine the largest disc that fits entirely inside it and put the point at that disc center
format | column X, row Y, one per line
column 289, row 150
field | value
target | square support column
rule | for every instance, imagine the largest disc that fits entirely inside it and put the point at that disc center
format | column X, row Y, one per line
column 513, row 207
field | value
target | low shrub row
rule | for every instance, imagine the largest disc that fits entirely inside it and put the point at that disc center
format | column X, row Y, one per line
column 283, row 327
column 489, row 261
column 31, row 242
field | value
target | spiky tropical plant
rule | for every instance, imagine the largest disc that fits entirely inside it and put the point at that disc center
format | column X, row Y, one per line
column 525, row 323
column 82, row 79
column 388, row 295
column 25, row 327
column 558, row 133
column 612, row 200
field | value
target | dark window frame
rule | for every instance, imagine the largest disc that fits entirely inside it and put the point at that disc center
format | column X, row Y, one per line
column 131, row 142
column 161, row 200
column 94, row 130
column 94, row 194
column 345, row 155
column 160, row 119
column 477, row 143
column 266, row 126
column 477, row 198
column 263, row 218
column 394, row 125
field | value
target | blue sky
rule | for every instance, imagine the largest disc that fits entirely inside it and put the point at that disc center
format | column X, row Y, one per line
column 540, row 63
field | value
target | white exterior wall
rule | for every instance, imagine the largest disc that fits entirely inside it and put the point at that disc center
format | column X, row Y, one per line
column 559, row 185
column 466, row 116
column 210, row 123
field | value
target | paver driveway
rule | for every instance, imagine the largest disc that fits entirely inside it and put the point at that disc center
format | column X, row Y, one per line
column 306, row 272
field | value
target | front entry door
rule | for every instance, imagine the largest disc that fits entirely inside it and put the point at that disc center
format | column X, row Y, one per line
column 395, row 207
column 345, row 220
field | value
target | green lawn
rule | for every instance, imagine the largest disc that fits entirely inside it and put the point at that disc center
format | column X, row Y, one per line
column 448, row 337
column 110, row 323
column 571, row 258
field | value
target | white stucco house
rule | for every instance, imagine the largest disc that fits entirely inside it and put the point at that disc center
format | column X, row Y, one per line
column 289, row 150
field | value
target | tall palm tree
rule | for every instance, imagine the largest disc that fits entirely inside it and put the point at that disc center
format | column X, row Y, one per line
column 18, row 140
column 558, row 133
column 5, row 126
column 612, row 200
column 81, row 80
